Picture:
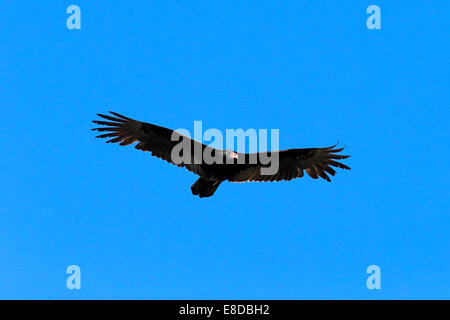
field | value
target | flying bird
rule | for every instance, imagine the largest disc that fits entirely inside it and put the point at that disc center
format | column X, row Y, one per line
column 235, row 167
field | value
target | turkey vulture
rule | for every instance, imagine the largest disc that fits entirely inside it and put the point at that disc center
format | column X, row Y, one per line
column 236, row 167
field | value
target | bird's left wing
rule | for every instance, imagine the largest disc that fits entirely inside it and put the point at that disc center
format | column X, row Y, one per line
column 149, row 137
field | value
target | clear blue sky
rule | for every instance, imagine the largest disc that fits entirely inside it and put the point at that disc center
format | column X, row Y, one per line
column 311, row 69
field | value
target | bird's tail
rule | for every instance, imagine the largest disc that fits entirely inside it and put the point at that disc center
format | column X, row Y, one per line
column 204, row 187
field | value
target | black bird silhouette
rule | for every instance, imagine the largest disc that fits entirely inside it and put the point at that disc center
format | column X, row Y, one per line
column 235, row 167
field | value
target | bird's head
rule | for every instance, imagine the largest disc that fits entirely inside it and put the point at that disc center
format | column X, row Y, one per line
column 231, row 154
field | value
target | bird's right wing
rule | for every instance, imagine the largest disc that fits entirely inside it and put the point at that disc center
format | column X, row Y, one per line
column 158, row 140
column 317, row 162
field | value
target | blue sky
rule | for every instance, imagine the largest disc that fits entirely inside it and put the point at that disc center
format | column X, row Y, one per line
column 311, row 69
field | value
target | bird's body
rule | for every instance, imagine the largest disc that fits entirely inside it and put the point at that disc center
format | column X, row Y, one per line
column 228, row 165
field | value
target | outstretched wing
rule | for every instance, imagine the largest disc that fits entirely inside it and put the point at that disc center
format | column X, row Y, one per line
column 149, row 137
column 317, row 162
